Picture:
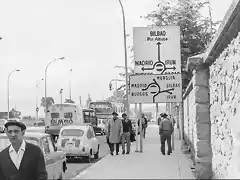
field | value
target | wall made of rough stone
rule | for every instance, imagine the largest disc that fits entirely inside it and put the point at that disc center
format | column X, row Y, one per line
column 225, row 102
column 189, row 119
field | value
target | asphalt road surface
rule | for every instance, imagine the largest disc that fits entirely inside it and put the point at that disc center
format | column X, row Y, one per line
column 75, row 166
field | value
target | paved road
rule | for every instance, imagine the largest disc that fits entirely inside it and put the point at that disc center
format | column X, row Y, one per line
column 76, row 166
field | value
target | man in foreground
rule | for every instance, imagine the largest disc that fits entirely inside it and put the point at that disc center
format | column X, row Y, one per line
column 115, row 131
column 127, row 129
column 165, row 131
column 21, row 160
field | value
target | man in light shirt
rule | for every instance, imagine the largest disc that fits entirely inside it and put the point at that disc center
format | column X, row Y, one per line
column 21, row 160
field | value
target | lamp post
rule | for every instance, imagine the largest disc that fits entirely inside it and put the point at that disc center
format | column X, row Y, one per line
column 110, row 83
column 61, row 90
column 70, row 88
column 125, row 50
column 46, row 105
column 8, row 89
column 37, row 108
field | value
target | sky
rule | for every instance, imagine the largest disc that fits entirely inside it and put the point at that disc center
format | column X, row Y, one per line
column 89, row 34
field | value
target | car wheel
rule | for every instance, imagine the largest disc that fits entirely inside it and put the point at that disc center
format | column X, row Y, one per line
column 63, row 170
column 96, row 156
column 88, row 158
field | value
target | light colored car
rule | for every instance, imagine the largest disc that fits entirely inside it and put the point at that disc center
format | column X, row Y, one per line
column 101, row 127
column 55, row 160
column 14, row 119
column 2, row 123
column 36, row 129
column 78, row 141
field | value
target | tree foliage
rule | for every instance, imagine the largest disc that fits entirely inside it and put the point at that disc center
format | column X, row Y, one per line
column 50, row 101
column 196, row 32
column 118, row 96
column 69, row 101
column 14, row 113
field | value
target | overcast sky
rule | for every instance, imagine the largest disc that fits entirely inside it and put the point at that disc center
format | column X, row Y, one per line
column 87, row 32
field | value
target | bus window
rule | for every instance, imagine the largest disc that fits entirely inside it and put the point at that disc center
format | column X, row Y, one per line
column 54, row 115
column 68, row 115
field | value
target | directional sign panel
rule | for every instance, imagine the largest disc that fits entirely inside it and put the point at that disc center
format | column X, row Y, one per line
column 157, row 50
column 155, row 88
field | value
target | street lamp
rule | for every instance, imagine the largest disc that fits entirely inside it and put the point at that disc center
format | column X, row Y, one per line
column 46, row 105
column 110, row 83
column 61, row 90
column 8, row 88
column 70, row 88
column 125, row 50
column 37, row 108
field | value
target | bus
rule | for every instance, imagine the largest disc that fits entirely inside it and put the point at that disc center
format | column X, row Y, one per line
column 66, row 114
column 104, row 110
column 89, row 116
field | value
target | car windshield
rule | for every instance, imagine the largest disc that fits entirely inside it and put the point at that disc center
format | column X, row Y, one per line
column 40, row 124
column 72, row 132
column 4, row 141
column 2, row 121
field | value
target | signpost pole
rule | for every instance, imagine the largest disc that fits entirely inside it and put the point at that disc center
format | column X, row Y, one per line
column 171, row 112
column 140, row 127
column 157, row 113
column 136, row 121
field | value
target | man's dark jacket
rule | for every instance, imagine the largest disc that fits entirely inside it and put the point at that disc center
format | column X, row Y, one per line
column 32, row 166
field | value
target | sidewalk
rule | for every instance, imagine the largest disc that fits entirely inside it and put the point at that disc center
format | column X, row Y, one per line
column 150, row 164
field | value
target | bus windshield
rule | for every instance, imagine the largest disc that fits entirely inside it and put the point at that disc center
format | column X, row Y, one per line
column 101, row 107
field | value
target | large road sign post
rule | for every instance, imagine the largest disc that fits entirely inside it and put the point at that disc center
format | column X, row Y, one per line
column 155, row 88
column 157, row 67
column 157, row 50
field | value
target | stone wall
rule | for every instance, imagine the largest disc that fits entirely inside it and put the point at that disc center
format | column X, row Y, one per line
column 225, row 100
column 189, row 120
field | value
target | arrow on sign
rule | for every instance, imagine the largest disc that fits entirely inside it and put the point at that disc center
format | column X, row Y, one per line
column 159, row 44
column 174, row 68
column 143, row 68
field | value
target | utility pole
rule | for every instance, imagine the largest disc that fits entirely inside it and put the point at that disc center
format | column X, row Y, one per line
column 61, row 94
column 70, row 88
column 210, row 17
column 80, row 99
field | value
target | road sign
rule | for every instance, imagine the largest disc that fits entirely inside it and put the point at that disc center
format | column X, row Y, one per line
column 155, row 88
column 157, row 50
column 37, row 109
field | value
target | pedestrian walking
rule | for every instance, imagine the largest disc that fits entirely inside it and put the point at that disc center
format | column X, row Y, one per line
column 165, row 131
column 21, row 160
column 115, row 131
column 107, row 137
column 144, row 124
column 127, row 130
column 159, row 119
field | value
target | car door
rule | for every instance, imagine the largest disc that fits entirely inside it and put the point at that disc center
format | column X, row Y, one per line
column 48, row 158
column 57, row 157
column 93, row 140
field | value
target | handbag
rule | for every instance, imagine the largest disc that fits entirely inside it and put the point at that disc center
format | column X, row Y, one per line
column 132, row 138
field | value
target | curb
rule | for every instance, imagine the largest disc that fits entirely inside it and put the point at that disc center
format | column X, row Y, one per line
column 95, row 164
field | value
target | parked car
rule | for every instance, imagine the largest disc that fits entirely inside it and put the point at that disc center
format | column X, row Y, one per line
column 55, row 160
column 36, row 129
column 78, row 141
column 14, row 119
column 2, row 123
column 101, row 127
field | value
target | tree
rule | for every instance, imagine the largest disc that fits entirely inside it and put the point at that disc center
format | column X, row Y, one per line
column 88, row 100
column 118, row 96
column 50, row 101
column 196, row 31
column 69, row 101
column 14, row 113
